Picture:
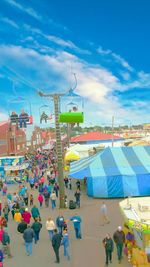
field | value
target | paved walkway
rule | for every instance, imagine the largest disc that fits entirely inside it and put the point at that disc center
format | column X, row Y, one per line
column 88, row 252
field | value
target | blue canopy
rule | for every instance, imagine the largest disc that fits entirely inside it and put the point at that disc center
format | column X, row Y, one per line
column 116, row 172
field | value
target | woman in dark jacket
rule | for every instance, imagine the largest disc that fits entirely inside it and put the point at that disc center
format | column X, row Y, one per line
column 109, row 246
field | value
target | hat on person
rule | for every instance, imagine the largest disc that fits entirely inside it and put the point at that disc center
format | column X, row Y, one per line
column 119, row 228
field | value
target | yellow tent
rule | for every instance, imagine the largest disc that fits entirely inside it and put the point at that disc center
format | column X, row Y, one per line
column 72, row 156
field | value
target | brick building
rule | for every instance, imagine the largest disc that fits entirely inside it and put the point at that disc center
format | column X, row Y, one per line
column 39, row 138
column 12, row 140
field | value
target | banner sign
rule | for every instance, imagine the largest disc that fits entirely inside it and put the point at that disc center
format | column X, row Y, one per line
column 139, row 226
column 11, row 161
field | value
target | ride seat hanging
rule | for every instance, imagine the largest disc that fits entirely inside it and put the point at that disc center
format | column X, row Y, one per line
column 71, row 117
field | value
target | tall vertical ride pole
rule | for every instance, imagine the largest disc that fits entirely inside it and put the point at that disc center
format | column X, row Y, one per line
column 59, row 152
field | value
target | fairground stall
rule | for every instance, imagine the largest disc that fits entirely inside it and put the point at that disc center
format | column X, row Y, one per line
column 11, row 168
column 136, row 213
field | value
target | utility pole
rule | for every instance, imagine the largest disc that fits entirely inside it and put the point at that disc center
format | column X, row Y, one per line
column 113, row 130
column 56, row 98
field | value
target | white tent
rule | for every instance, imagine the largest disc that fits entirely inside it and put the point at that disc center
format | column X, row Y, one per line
column 84, row 150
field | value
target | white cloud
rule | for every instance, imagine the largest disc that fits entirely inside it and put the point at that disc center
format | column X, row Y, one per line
column 102, row 51
column 10, row 22
column 27, row 10
column 57, row 40
column 122, row 61
column 96, row 84
column 125, row 75
column 105, row 52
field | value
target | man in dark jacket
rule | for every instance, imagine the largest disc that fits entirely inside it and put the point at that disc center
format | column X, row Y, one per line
column 109, row 246
column 28, row 236
column 77, row 196
column 6, row 244
column 56, row 242
column 22, row 226
column 36, row 226
column 60, row 223
column 46, row 197
column 119, row 239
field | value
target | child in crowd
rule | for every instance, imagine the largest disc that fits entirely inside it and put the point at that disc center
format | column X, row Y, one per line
column 31, row 200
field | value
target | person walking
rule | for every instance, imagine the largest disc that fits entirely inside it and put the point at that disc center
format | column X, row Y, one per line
column 36, row 226
column 109, row 246
column 65, row 243
column 4, row 189
column 104, row 214
column 78, row 184
column 56, row 242
column 6, row 244
column 35, row 212
column 40, row 199
column 22, row 226
column 53, row 200
column 28, row 237
column 119, row 239
column 31, row 199
column 1, row 258
column 50, row 227
column 17, row 217
column 60, row 223
column 77, row 197
column 56, row 189
column 26, row 216
column 77, row 225
column 70, row 183
column 26, row 198
column 46, row 197
column 66, row 180
column 6, row 211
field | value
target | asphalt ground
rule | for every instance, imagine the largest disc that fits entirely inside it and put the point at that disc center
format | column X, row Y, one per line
column 87, row 252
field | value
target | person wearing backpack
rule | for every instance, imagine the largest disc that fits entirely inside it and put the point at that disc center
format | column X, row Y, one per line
column 109, row 246
column 36, row 226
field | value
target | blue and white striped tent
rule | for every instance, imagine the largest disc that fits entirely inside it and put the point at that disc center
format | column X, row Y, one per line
column 116, row 172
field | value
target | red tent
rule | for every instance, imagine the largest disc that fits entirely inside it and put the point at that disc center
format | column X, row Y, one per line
column 93, row 136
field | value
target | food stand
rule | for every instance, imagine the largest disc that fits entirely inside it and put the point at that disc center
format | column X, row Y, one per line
column 136, row 213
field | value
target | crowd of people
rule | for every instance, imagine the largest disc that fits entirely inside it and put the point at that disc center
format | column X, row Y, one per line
column 39, row 188
column 25, row 209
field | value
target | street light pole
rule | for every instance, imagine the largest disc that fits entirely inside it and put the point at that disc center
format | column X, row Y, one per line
column 55, row 98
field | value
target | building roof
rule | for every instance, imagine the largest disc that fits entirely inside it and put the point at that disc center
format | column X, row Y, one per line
column 93, row 136
column 3, row 123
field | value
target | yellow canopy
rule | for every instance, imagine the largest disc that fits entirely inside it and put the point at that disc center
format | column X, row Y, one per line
column 72, row 155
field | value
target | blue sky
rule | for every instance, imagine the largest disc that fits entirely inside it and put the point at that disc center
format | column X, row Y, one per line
column 106, row 43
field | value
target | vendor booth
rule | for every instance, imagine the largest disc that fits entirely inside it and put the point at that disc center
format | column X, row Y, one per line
column 136, row 213
column 11, row 168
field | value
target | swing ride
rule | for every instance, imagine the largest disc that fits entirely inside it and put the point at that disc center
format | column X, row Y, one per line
column 71, row 107
column 24, row 118
column 45, row 113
